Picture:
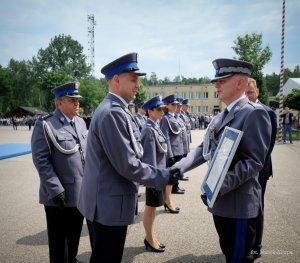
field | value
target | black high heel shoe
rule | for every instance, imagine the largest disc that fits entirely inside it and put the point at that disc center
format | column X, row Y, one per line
column 162, row 245
column 153, row 249
column 176, row 211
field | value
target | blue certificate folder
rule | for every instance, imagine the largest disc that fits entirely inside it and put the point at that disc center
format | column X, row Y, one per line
column 220, row 163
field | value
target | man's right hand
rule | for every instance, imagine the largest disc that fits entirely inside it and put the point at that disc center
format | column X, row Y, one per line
column 60, row 200
column 174, row 174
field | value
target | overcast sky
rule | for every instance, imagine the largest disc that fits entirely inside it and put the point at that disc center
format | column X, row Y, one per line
column 172, row 37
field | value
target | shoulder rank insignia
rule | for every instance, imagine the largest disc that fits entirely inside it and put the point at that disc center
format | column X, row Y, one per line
column 45, row 117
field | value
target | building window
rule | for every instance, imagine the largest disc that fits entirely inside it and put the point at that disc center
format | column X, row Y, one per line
column 198, row 109
column 191, row 109
column 198, row 95
column 215, row 95
column 205, row 108
column 205, row 95
column 191, row 95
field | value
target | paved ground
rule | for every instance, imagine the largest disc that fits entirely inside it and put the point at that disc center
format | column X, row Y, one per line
column 190, row 235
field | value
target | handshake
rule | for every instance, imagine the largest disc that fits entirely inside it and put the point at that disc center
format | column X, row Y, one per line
column 60, row 200
column 174, row 175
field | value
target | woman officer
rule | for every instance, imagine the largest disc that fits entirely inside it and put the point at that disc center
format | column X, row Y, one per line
column 155, row 149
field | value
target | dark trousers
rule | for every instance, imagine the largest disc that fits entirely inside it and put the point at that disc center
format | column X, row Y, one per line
column 171, row 162
column 236, row 238
column 91, row 232
column 64, row 229
column 260, row 220
column 108, row 243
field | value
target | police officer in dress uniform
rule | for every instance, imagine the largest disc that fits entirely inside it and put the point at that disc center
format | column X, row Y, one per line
column 131, row 107
column 113, row 168
column 58, row 147
column 238, row 204
column 186, row 118
column 140, row 117
column 154, row 143
column 172, row 130
column 184, row 135
column 178, row 116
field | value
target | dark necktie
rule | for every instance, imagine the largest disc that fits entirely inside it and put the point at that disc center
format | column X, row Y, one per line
column 73, row 125
column 224, row 114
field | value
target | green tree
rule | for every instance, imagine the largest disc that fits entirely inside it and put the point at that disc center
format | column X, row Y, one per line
column 20, row 73
column 296, row 72
column 50, row 80
column 272, row 83
column 5, row 91
column 177, row 79
column 92, row 92
column 292, row 100
column 141, row 94
column 153, row 79
column 63, row 54
column 249, row 48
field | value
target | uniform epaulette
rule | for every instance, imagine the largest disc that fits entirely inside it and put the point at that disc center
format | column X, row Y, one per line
column 115, row 104
column 45, row 117
column 255, row 105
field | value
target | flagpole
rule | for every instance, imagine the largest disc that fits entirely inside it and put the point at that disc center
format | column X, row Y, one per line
column 281, row 73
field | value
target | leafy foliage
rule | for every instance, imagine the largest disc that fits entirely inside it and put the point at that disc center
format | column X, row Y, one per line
column 249, row 48
column 62, row 55
column 273, row 80
column 29, row 83
column 292, row 100
column 5, row 91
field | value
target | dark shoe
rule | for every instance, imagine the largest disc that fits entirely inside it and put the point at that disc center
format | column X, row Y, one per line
column 255, row 254
column 152, row 249
column 162, row 245
column 178, row 191
column 170, row 209
column 184, row 178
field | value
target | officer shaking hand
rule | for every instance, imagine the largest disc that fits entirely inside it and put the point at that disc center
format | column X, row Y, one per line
column 113, row 168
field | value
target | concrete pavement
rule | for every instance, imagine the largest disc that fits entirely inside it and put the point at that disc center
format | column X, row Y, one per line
column 190, row 236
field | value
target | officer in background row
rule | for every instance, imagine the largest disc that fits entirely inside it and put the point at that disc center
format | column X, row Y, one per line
column 113, row 167
column 58, row 147
column 140, row 117
column 172, row 130
column 184, row 129
column 131, row 107
column 185, row 115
